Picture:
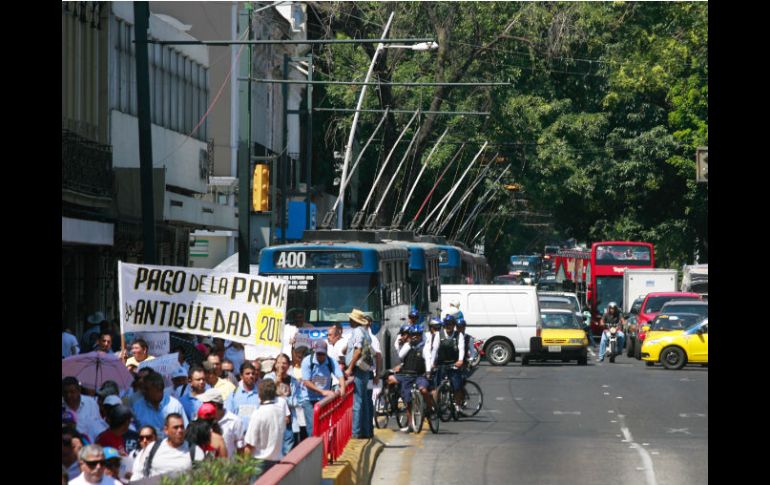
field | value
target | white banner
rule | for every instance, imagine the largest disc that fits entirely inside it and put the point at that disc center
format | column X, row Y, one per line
column 165, row 364
column 233, row 306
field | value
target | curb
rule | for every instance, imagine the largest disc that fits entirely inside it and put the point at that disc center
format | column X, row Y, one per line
column 355, row 465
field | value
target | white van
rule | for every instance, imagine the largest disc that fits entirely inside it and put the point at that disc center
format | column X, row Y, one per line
column 506, row 317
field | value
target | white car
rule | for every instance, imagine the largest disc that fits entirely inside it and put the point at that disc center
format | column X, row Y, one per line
column 555, row 296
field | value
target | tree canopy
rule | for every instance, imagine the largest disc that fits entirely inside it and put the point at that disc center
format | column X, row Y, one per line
column 606, row 105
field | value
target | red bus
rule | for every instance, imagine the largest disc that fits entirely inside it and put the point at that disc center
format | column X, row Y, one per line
column 609, row 259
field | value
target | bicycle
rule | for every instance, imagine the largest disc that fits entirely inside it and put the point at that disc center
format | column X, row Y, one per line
column 387, row 404
column 419, row 411
column 445, row 402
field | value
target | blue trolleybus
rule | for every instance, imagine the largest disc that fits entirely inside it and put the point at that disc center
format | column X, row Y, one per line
column 424, row 277
column 329, row 276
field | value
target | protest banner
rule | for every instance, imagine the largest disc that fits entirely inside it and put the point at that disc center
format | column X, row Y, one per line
column 233, row 306
column 158, row 343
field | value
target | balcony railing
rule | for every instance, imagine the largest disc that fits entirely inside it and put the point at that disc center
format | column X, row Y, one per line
column 86, row 165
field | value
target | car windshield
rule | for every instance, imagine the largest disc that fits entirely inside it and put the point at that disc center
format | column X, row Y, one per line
column 668, row 322
column 636, row 306
column 702, row 310
column 655, row 303
column 559, row 304
column 559, row 320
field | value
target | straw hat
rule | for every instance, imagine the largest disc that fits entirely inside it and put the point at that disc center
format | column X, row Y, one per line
column 358, row 316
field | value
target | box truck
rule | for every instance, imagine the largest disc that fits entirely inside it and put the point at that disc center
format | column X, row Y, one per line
column 638, row 282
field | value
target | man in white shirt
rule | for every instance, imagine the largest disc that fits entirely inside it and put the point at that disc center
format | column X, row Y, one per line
column 69, row 343
column 337, row 347
column 85, row 408
column 264, row 437
column 170, row 455
column 92, row 466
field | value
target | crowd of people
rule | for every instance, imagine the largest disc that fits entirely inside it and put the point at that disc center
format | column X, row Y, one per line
column 227, row 405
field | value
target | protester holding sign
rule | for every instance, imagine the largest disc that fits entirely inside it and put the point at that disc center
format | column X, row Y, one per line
column 139, row 353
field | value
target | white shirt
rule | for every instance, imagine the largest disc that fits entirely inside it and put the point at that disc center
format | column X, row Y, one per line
column 167, row 459
column 69, row 345
column 88, row 416
column 232, row 432
column 81, row 480
column 266, row 428
column 431, row 349
column 334, row 352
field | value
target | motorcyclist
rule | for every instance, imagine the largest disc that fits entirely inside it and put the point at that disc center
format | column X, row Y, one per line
column 612, row 317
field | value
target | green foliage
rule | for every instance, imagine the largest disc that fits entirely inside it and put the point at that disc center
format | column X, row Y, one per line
column 607, row 104
column 234, row 471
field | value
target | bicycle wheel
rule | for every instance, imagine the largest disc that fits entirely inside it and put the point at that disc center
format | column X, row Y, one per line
column 401, row 417
column 445, row 401
column 416, row 408
column 381, row 412
column 473, row 399
column 433, row 419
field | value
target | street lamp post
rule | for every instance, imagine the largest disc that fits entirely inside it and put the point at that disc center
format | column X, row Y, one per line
column 349, row 146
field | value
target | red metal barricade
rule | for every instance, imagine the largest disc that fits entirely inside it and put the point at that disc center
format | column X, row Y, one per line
column 333, row 422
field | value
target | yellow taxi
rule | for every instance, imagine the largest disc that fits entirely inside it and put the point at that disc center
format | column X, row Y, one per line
column 676, row 348
column 560, row 337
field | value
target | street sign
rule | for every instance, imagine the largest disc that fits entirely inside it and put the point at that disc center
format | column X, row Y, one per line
column 702, row 165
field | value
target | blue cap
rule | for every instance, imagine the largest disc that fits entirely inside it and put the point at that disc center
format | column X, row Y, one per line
column 414, row 313
column 436, row 321
column 449, row 319
column 404, row 328
column 110, row 452
column 416, row 329
column 461, row 322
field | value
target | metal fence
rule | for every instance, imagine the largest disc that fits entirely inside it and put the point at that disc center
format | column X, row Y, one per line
column 333, row 422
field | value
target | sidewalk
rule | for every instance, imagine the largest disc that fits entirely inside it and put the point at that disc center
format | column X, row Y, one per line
column 356, row 464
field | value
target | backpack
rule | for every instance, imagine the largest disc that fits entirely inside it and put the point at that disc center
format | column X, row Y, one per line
column 328, row 364
column 448, row 351
column 367, row 355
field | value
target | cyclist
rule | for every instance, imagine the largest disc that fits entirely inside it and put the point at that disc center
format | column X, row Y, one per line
column 413, row 369
column 432, row 340
column 469, row 348
column 451, row 356
column 403, row 337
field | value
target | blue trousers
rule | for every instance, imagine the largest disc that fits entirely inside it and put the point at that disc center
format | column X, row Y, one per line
column 288, row 440
column 307, row 407
column 363, row 407
column 605, row 340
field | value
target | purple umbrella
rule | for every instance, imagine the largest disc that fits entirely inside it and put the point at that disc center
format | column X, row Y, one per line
column 97, row 367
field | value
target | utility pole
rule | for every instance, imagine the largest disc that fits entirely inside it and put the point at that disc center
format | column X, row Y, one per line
column 142, row 20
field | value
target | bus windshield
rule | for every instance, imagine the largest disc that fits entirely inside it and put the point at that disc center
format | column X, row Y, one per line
column 623, row 254
column 327, row 297
column 608, row 289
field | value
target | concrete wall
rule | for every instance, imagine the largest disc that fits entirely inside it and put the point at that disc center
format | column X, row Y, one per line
column 171, row 150
column 302, row 466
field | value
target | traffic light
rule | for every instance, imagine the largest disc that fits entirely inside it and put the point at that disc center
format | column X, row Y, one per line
column 261, row 192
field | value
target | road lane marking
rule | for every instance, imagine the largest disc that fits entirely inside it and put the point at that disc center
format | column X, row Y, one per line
column 606, row 393
column 500, row 398
column 611, row 411
column 692, row 415
column 649, row 470
column 620, row 397
column 576, row 413
column 678, row 430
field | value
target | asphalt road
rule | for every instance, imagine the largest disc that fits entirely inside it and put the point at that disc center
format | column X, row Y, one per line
column 559, row 423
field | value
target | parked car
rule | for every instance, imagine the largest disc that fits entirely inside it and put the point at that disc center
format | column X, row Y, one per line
column 676, row 349
column 560, row 336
